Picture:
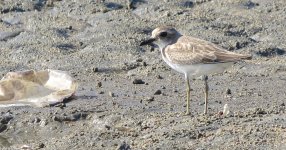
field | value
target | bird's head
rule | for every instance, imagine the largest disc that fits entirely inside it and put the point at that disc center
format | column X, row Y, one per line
column 162, row 36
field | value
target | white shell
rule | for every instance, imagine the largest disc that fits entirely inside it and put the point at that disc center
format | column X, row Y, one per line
column 226, row 110
column 36, row 88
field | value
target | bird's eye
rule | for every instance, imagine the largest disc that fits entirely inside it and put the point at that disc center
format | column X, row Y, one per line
column 163, row 34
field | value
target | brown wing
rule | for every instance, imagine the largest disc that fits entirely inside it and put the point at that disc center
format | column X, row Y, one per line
column 189, row 50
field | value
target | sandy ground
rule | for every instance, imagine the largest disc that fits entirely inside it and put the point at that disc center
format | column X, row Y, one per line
column 97, row 42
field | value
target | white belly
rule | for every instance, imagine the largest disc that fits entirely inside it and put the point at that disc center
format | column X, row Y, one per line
column 199, row 69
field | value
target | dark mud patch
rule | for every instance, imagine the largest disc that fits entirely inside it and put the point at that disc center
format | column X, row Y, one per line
column 271, row 52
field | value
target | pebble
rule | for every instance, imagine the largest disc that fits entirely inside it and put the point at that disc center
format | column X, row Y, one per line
column 99, row 84
column 73, row 117
column 150, row 99
column 159, row 77
column 138, row 81
column 43, row 123
column 139, row 60
column 41, row 145
column 95, row 69
column 158, row 92
column 260, row 111
column 111, row 94
column 36, row 120
column 124, row 146
column 228, row 91
column 26, row 147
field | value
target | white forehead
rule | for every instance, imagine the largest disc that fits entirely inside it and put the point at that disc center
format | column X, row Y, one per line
column 158, row 30
column 155, row 32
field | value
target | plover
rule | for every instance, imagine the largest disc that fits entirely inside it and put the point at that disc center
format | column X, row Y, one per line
column 192, row 56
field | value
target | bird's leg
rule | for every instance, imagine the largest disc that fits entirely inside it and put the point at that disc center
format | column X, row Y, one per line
column 205, row 78
column 188, row 94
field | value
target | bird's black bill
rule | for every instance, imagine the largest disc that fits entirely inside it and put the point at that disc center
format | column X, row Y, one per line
column 149, row 41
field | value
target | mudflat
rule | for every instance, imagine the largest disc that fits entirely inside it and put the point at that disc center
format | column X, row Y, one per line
column 128, row 98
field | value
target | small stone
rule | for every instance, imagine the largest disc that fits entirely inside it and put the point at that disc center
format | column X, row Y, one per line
column 159, row 77
column 168, row 14
column 95, row 69
column 107, row 127
column 283, row 104
column 26, row 147
column 99, row 84
column 150, row 99
column 228, row 91
column 43, row 123
column 101, row 92
column 260, row 111
column 104, row 10
column 138, row 81
column 36, row 120
column 81, row 133
column 124, row 146
column 144, row 64
column 41, row 145
column 139, row 60
column 111, row 94
column 73, row 117
column 158, row 92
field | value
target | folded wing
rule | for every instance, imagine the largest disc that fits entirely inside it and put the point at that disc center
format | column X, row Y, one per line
column 189, row 50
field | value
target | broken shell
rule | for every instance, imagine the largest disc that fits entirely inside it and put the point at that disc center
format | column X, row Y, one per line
column 37, row 88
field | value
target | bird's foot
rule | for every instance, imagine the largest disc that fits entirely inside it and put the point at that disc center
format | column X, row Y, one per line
column 187, row 113
column 205, row 112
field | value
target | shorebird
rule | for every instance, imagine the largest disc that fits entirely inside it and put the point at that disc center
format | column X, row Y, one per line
column 192, row 56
